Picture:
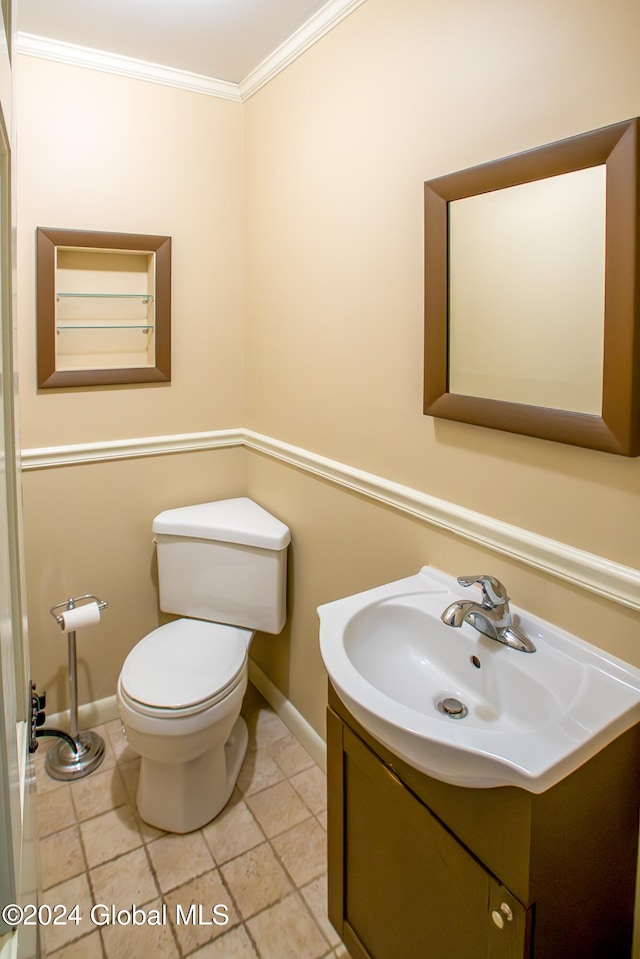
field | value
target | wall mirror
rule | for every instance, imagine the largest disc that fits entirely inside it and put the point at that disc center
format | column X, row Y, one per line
column 103, row 308
column 531, row 302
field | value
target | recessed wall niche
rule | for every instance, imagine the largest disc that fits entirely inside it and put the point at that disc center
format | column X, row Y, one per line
column 103, row 308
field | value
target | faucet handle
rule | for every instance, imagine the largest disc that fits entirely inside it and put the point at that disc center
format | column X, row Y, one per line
column 494, row 593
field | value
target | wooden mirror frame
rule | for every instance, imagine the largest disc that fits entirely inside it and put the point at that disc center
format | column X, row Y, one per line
column 617, row 430
column 47, row 241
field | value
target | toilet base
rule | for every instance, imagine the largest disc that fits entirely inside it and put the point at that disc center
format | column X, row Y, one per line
column 182, row 797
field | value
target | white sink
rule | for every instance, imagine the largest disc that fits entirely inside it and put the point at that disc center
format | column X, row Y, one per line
column 532, row 718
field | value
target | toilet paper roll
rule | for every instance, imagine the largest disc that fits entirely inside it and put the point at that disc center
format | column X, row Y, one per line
column 85, row 615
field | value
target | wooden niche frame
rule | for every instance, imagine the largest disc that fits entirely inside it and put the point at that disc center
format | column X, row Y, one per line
column 617, row 430
column 49, row 242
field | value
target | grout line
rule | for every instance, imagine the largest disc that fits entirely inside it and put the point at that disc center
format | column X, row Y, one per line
column 116, row 770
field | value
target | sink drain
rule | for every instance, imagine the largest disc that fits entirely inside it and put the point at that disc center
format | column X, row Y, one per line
column 452, row 708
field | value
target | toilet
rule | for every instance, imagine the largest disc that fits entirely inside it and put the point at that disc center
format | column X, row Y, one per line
column 222, row 567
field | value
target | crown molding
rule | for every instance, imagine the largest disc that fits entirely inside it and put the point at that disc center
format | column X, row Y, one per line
column 309, row 33
column 329, row 16
column 614, row 581
column 77, row 56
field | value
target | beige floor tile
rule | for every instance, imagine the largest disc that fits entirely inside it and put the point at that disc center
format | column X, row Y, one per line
column 176, row 859
column 287, row 931
column 277, row 808
column 61, row 857
column 315, row 895
column 266, row 727
column 110, row 835
column 258, row 771
column 232, row 945
column 89, row 947
column 255, row 880
column 290, row 756
column 101, row 791
column 44, row 782
column 124, row 881
column 121, row 749
column 55, row 811
column 311, row 784
column 148, row 832
column 99, row 814
column 303, row 851
column 69, row 894
column 206, row 891
column 140, row 941
column 233, row 832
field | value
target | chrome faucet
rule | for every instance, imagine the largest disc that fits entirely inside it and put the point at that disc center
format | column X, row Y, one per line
column 492, row 617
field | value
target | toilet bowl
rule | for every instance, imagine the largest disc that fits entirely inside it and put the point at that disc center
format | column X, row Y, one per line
column 181, row 687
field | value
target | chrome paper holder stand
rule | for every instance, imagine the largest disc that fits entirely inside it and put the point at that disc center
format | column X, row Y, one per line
column 61, row 762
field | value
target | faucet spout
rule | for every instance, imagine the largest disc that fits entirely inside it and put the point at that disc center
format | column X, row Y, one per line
column 456, row 613
column 492, row 617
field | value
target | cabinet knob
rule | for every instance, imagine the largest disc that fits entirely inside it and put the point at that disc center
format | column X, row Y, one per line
column 501, row 915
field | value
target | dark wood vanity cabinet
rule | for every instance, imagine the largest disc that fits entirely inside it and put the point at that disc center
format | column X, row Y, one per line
column 420, row 869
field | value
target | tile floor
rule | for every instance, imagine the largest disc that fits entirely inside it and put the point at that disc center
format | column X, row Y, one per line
column 263, row 858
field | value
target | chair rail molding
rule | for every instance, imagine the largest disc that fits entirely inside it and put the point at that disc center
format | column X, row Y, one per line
column 597, row 574
column 48, row 457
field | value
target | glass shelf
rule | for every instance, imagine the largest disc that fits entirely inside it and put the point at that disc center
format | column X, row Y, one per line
column 64, row 327
column 103, row 308
column 104, row 311
column 145, row 297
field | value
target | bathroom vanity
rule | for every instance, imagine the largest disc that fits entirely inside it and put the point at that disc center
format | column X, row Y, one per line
column 421, row 869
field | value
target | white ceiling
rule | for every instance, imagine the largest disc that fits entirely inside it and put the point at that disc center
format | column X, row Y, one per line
column 222, row 39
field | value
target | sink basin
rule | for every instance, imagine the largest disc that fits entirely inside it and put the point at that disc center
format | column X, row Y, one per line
column 464, row 708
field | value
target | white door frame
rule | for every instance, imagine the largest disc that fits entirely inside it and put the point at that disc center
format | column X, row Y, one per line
column 19, row 867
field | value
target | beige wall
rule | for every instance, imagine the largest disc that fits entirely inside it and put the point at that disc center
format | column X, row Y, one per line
column 88, row 530
column 108, row 153
column 338, row 147
column 343, row 543
column 336, row 150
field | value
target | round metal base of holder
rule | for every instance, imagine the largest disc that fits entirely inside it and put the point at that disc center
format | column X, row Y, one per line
column 61, row 763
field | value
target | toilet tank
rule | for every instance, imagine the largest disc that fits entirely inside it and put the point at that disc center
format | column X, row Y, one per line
column 225, row 562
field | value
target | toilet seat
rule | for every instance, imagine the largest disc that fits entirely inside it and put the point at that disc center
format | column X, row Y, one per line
column 184, row 667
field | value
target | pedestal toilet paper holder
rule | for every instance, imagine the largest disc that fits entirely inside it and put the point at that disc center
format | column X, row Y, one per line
column 62, row 762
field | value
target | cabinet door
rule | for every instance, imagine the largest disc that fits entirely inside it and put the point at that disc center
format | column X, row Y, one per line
column 408, row 887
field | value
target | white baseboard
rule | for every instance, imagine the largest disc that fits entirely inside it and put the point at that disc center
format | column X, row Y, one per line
column 89, row 715
column 293, row 720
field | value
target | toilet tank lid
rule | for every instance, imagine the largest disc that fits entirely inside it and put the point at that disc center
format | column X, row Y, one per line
column 237, row 520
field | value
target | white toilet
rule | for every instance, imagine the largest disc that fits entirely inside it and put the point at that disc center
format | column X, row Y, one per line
column 181, row 687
